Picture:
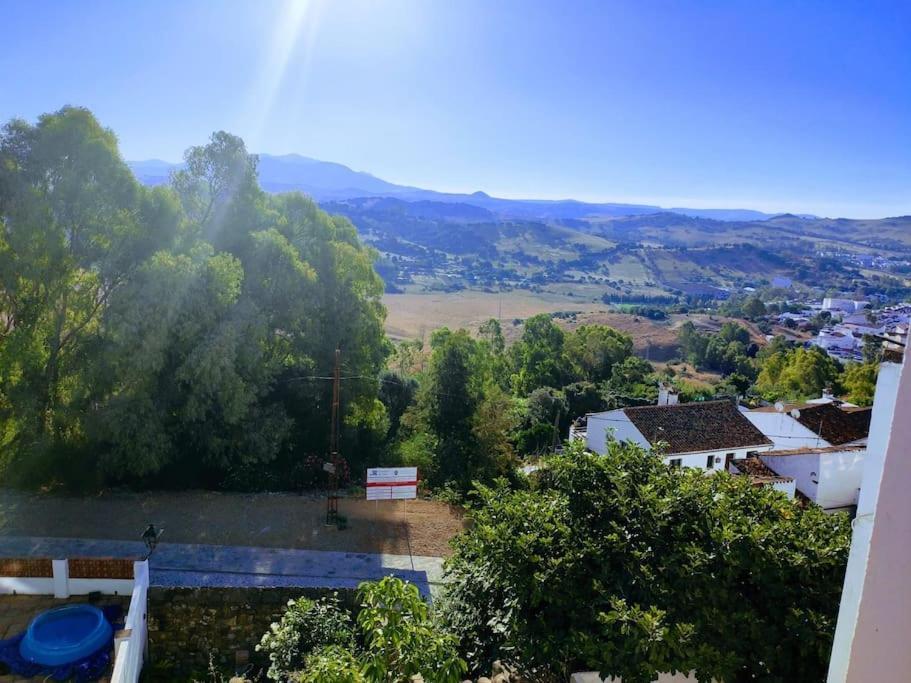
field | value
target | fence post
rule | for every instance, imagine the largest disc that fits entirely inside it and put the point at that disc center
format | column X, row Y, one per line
column 141, row 576
column 61, row 572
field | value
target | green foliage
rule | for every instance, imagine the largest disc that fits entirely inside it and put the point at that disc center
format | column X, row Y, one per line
column 753, row 308
column 623, row 565
column 400, row 638
column 593, row 350
column 545, row 356
column 397, row 638
column 461, row 420
column 539, row 430
column 632, row 382
column 161, row 335
column 305, row 626
column 859, row 382
column 73, row 222
column 797, row 374
column 538, row 358
column 728, row 351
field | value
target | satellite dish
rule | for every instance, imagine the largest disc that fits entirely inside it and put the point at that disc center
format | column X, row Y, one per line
column 779, row 406
column 795, row 414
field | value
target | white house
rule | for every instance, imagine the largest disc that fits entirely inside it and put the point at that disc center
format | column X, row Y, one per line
column 830, row 477
column 708, row 435
column 762, row 475
column 812, row 425
column 844, row 305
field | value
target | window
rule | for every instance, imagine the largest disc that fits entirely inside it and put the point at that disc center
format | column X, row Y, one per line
column 676, row 462
column 709, row 462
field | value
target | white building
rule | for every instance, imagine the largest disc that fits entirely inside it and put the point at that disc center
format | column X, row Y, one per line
column 830, row 477
column 708, row 435
column 762, row 475
column 843, row 305
column 874, row 619
column 812, row 425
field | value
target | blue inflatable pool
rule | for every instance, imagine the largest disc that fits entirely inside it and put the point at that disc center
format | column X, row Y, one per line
column 65, row 634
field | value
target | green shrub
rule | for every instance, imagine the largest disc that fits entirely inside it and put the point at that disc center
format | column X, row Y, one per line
column 305, row 626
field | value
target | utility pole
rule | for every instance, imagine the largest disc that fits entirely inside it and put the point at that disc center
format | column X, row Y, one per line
column 332, row 487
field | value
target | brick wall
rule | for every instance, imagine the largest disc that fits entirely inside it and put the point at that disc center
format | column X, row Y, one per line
column 190, row 626
column 26, row 567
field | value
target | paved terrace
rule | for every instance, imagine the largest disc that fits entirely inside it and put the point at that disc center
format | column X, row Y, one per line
column 219, row 566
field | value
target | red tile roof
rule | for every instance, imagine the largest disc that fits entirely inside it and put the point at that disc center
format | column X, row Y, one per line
column 696, row 427
column 758, row 471
column 835, row 425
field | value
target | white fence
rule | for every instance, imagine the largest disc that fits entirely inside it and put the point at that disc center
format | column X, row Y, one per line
column 81, row 576
column 131, row 643
column 57, row 578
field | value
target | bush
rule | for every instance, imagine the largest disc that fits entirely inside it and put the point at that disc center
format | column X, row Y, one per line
column 305, row 626
column 396, row 638
column 623, row 565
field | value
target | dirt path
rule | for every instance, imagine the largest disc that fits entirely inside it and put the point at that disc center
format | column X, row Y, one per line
column 275, row 520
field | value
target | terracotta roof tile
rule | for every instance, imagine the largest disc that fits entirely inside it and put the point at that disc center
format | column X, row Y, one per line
column 758, row 471
column 835, row 425
column 695, row 427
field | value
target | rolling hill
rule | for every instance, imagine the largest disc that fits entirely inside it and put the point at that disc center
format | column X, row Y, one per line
column 433, row 241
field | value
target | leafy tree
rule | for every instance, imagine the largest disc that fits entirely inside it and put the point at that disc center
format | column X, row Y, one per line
column 728, row 351
column 538, row 358
column 859, row 381
column 582, row 398
column 632, row 382
column 73, row 225
column 541, row 422
column 398, row 639
column 306, row 625
column 623, row 565
column 753, row 308
column 872, row 349
column 797, row 374
column 593, row 350
column 191, row 371
column 177, row 331
column 397, row 393
column 693, row 344
column 460, row 416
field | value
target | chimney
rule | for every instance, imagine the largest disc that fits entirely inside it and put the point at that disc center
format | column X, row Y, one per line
column 667, row 395
column 828, row 395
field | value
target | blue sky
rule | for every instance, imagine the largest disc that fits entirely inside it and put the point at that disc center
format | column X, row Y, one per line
column 798, row 106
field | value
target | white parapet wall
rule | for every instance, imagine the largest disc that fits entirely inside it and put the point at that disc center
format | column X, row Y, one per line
column 130, row 645
column 54, row 577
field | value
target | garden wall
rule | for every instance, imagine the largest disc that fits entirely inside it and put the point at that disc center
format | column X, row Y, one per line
column 189, row 627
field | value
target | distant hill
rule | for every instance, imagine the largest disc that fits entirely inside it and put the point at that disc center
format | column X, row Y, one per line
column 328, row 181
column 626, row 253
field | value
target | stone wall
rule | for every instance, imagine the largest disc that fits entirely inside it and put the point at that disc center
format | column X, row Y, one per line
column 191, row 627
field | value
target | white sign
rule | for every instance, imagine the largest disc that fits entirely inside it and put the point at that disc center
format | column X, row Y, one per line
column 392, row 483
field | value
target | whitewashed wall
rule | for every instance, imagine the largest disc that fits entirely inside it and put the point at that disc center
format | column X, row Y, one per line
column 131, row 644
column 614, row 423
column 840, row 478
column 784, row 431
column 803, row 467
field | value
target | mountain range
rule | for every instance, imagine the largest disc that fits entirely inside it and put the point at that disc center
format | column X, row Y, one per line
column 438, row 241
column 329, row 181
